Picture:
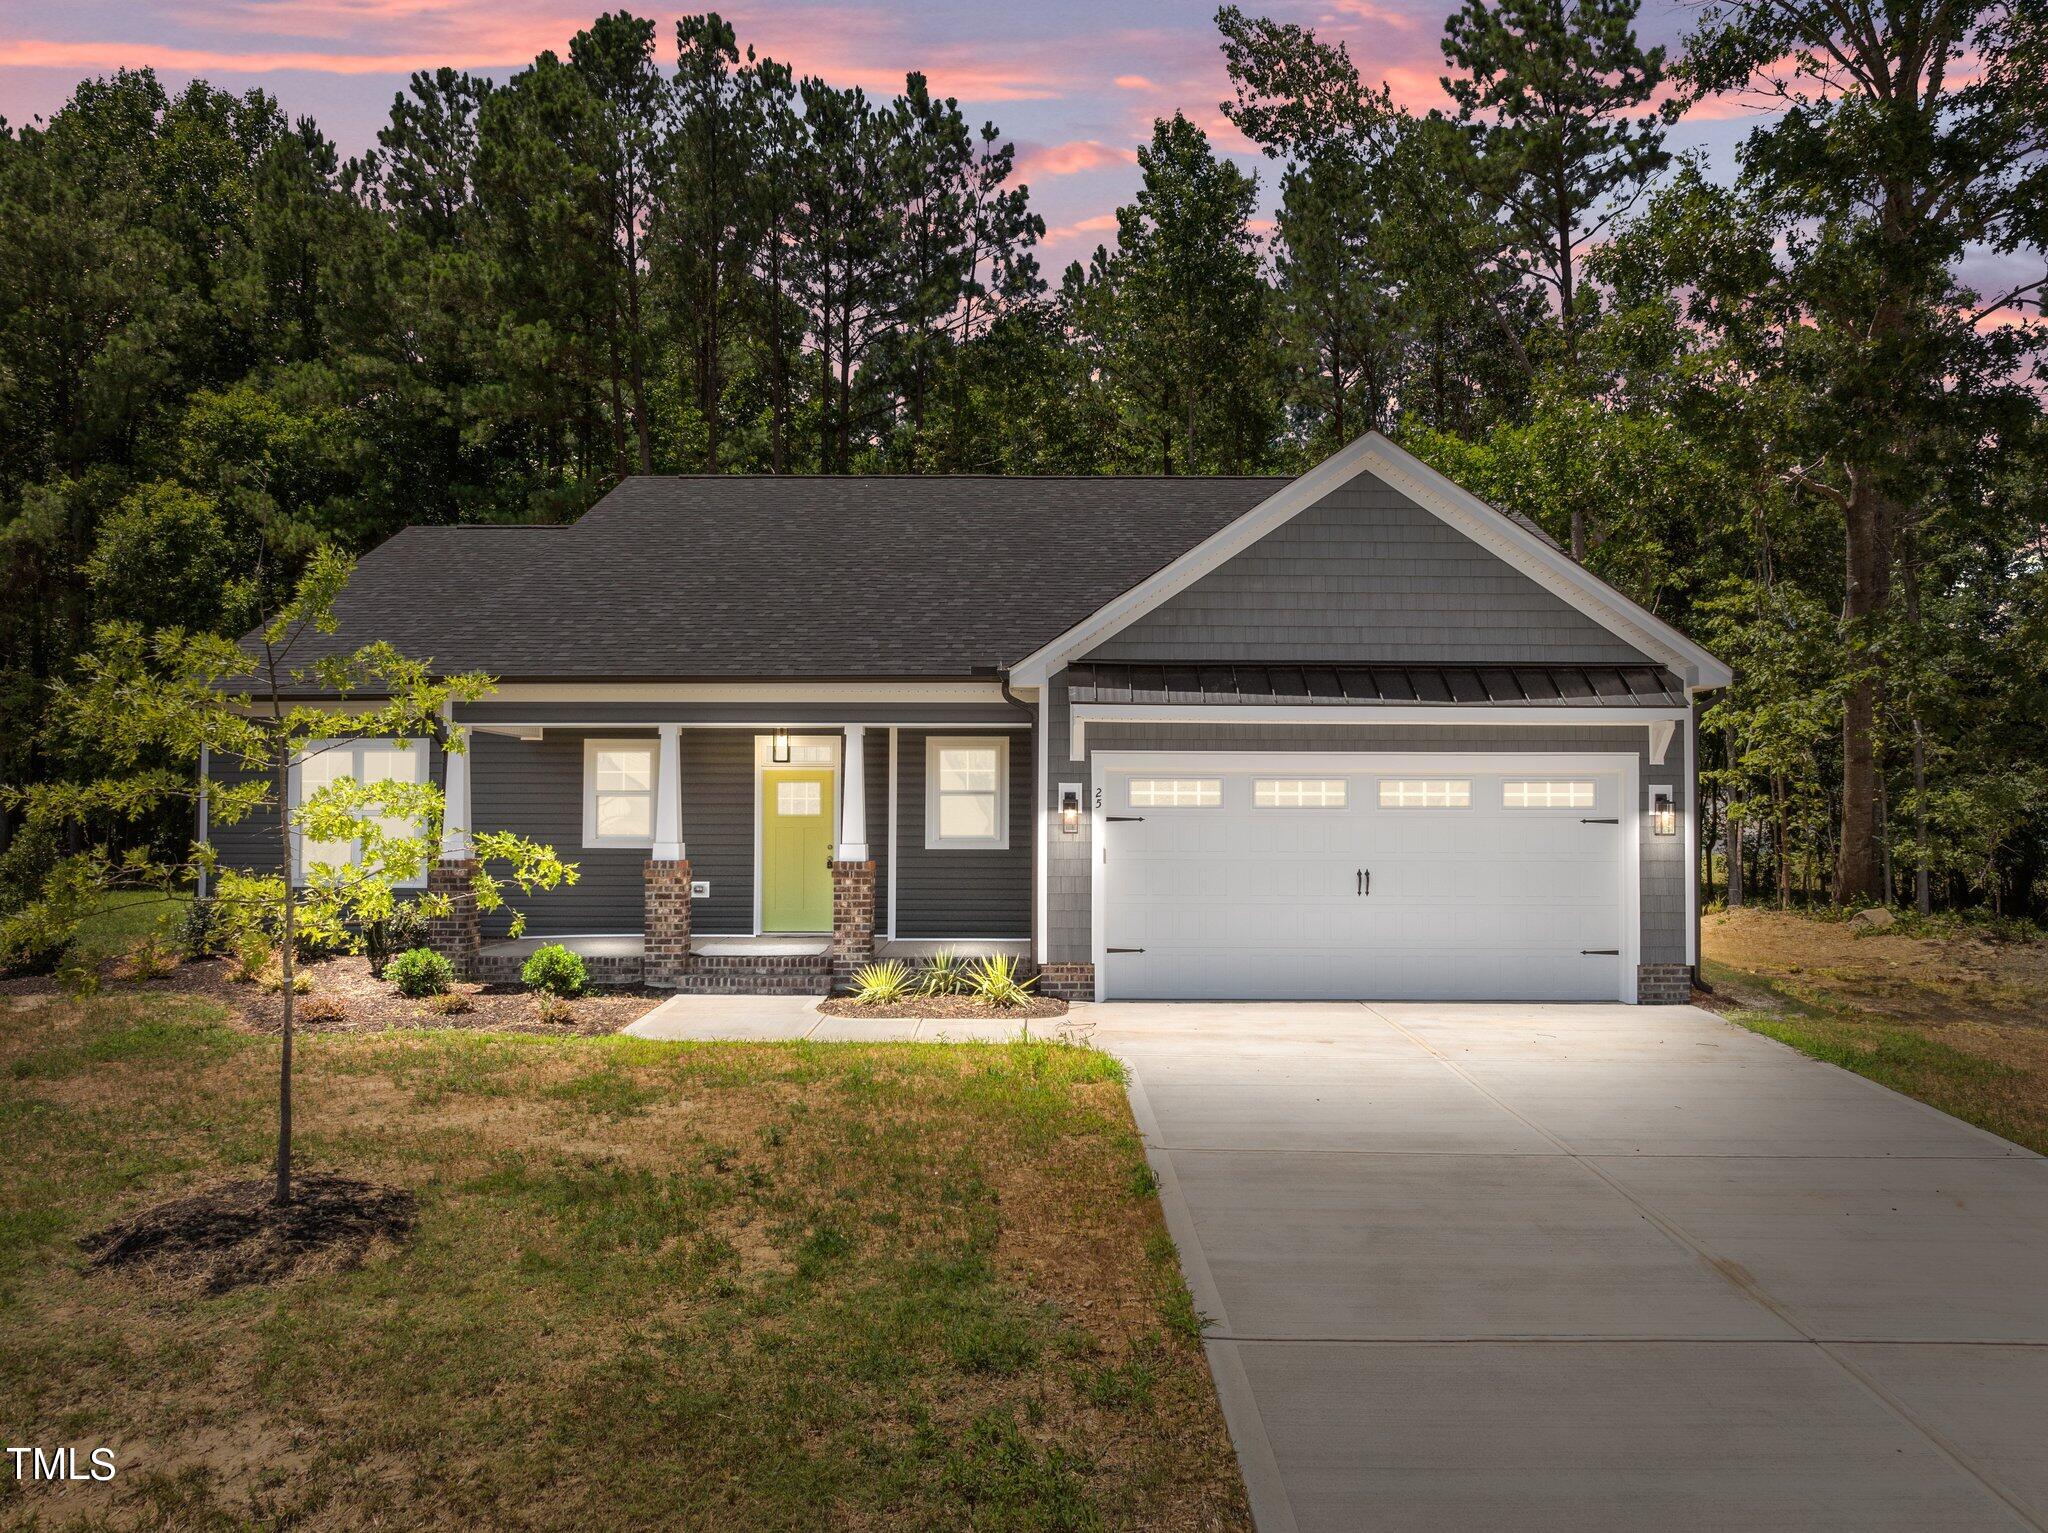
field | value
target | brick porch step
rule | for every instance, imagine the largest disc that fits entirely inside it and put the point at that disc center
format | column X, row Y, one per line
column 757, row 974
column 605, row 969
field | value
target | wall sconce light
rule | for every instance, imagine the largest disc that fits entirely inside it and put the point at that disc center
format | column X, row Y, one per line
column 1070, row 808
column 778, row 751
column 1663, row 812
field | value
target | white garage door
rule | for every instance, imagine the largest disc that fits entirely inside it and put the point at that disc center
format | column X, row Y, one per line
column 1367, row 877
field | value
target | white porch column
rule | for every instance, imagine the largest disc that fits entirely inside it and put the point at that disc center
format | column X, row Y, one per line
column 456, row 845
column 853, row 796
column 668, row 796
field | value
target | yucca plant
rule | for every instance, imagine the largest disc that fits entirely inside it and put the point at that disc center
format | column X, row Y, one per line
column 945, row 973
column 881, row 984
column 994, row 982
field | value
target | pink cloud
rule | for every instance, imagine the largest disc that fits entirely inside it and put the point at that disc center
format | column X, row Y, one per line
column 1088, row 229
column 1072, row 158
column 1134, row 82
column 1366, row 10
column 42, row 53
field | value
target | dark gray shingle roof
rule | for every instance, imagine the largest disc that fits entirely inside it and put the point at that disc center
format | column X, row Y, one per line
column 793, row 576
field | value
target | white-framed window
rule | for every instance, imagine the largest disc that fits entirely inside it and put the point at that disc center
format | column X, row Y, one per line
column 365, row 761
column 1300, row 793
column 1174, row 793
column 618, row 791
column 1548, row 793
column 1425, row 793
column 967, row 793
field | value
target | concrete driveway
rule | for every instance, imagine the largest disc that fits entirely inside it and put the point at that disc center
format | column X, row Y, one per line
column 1579, row 1267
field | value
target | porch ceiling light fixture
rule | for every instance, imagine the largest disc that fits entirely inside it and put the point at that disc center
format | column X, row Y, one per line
column 778, row 751
column 1070, row 812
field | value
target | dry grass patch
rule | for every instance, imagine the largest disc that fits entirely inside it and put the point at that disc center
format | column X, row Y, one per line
column 770, row 1286
column 1955, row 1019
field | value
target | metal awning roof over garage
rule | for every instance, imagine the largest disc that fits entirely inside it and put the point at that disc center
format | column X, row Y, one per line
column 1408, row 686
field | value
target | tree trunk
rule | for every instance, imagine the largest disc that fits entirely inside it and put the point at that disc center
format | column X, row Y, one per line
column 1734, row 827
column 1923, row 881
column 1868, row 568
column 283, row 1192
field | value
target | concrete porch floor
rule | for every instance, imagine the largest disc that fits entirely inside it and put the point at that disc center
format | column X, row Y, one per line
column 628, row 945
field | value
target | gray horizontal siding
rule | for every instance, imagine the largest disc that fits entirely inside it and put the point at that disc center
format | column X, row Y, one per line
column 1666, row 909
column 961, row 893
column 535, row 789
column 1367, row 575
column 251, row 846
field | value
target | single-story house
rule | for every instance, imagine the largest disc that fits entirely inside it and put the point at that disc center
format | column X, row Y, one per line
column 1352, row 734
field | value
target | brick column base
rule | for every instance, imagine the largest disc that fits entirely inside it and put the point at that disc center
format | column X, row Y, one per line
column 458, row 935
column 1663, row 984
column 853, row 919
column 666, row 943
column 1067, row 981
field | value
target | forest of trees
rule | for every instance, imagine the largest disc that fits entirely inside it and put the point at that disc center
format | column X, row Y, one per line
column 1771, row 405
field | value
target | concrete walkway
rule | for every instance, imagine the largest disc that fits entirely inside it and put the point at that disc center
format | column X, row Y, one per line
column 1575, row 1267
column 787, row 1018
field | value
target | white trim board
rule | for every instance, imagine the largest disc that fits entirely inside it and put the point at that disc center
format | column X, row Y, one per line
column 1293, row 763
column 1660, row 721
column 1457, row 508
column 747, row 692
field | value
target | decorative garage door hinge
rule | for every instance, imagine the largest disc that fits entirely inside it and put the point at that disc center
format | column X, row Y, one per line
column 1126, row 950
column 1599, row 952
column 1610, row 820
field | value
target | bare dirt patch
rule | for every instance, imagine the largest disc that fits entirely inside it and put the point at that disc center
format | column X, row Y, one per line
column 953, row 1006
column 234, row 1233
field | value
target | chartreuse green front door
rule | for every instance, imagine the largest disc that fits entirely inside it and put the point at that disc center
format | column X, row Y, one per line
column 796, row 849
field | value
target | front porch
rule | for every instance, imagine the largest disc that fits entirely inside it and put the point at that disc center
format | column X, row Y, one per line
column 727, row 855
column 727, row 963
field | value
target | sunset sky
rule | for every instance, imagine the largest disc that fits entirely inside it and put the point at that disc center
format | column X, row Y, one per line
column 1074, row 83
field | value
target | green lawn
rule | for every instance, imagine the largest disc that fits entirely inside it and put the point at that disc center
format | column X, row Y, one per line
column 718, row 1286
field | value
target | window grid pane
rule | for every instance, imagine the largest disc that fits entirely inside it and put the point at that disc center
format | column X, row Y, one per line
column 1547, row 795
column 1426, row 793
column 1300, row 793
column 1176, row 792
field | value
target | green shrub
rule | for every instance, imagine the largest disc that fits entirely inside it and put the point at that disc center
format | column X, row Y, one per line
column 994, row 982
column 556, row 970
column 945, row 973
column 201, row 932
column 404, row 929
column 880, row 984
column 420, row 971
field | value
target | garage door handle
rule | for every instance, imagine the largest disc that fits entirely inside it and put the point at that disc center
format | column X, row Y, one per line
column 1599, row 952
column 1124, row 950
column 1365, row 880
column 1609, row 821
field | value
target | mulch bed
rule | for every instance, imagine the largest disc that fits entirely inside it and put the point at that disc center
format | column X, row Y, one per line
column 945, row 1006
column 232, row 1233
column 347, row 998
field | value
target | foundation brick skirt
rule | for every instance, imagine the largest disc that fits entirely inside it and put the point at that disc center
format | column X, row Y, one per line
column 1663, row 984
column 853, row 918
column 459, row 934
column 666, row 944
column 1067, row 981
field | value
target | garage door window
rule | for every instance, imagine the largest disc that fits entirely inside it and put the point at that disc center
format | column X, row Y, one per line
column 1576, row 793
column 1300, row 793
column 1426, row 793
column 1176, row 793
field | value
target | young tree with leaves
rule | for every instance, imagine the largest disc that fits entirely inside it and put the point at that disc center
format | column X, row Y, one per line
column 154, row 706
